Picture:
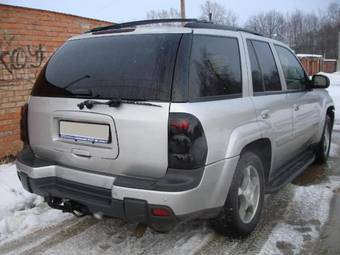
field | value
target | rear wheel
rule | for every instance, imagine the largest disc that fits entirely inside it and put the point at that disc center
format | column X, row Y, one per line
column 323, row 148
column 242, row 209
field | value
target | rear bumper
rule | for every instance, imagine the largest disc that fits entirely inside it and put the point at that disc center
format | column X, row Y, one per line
column 95, row 199
column 100, row 193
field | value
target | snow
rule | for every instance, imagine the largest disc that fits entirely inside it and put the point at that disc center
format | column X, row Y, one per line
column 13, row 196
column 334, row 78
column 309, row 56
column 334, row 92
column 20, row 211
column 313, row 203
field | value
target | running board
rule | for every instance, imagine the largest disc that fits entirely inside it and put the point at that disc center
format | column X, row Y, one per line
column 290, row 171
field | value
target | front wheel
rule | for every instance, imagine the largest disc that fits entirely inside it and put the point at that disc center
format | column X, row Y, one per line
column 242, row 210
column 323, row 148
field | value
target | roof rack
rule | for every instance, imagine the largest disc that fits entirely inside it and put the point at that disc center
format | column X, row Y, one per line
column 210, row 25
column 190, row 23
column 140, row 23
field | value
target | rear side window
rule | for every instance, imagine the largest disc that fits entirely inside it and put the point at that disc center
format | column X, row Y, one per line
column 264, row 70
column 138, row 67
column 294, row 74
column 215, row 67
column 256, row 72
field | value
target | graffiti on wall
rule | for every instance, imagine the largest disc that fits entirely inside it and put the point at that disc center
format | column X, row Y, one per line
column 19, row 62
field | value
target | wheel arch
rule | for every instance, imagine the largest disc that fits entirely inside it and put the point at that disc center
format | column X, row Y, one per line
column 331, row 113
column 250, row 137
column 262, row 147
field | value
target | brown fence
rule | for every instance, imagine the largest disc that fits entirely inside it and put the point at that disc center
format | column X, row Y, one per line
column 329, row 65
column 316, row 63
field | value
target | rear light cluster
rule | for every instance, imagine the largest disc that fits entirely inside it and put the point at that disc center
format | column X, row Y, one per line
column 187, row 145
column 24, row 125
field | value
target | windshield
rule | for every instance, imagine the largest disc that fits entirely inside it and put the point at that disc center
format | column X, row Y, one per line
column 138, row 67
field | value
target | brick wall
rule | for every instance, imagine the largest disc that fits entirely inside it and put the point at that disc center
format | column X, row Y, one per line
column 28, row 37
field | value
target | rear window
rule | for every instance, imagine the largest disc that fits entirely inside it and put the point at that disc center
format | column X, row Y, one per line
column 215, row 68
column 264, row 70
column 138, row 67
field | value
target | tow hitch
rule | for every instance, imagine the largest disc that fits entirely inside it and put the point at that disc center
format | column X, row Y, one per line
column 67, row 205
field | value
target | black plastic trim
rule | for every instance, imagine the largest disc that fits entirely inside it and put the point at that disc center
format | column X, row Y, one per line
column 94, row 200
column 175, row 180
column 139, row 23
column 85, row 198
column 284, row 175
column 180, row 83
column 215, row 98
column 27, row 157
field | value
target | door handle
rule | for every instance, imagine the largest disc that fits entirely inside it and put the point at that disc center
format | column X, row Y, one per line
column 81, row 153
column 265, row 114
column 296, row 107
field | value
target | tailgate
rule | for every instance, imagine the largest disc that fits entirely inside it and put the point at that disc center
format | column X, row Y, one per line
column 129, row 140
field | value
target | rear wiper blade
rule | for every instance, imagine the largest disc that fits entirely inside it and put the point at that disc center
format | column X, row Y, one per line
column 112, row 103
column 71, row 83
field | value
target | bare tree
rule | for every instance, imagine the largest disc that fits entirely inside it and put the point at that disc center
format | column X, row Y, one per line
column 333, row 13
column 304, row 32
column 163, row 14
column 294, row 27
column 219, row 14
column 271, row 24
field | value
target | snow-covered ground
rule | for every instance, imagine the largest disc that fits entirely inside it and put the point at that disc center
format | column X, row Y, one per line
column 334, row 90
column 292, row 219
column 20, row 211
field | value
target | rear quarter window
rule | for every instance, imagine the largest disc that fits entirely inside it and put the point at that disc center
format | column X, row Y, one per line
column 215, row 67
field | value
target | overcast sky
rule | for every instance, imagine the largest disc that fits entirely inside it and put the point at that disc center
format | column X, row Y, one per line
column 127, row 10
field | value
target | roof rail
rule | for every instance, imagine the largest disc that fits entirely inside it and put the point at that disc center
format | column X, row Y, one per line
column 139, row 23
column 210, row 25
column 190, row 23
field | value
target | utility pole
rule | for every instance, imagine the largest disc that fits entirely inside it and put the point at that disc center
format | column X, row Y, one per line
column 338, row 62
column 183, row 9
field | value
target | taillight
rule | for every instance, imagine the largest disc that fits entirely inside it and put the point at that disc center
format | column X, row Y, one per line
column 187, row 146
column 23, row 124
column 160, row 212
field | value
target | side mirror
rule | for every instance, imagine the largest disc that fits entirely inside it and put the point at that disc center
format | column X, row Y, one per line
column 320, row 81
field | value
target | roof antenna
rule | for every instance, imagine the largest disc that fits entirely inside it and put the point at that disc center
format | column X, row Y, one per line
column 210, row 16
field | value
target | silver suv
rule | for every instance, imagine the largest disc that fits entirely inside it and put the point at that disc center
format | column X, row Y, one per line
column 158, row 124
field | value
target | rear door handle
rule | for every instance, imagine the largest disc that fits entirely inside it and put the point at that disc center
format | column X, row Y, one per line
column 296, row 107
column 265, row 114
column 81, row 153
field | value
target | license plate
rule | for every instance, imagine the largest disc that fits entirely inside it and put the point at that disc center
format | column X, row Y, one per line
column 81, row 131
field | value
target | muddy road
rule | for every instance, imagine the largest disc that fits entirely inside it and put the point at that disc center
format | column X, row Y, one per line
column 302, row 218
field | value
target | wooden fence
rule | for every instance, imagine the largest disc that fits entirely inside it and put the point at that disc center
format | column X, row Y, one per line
column 316, row 63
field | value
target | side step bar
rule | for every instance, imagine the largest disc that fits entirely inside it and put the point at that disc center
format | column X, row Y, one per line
column 290, row 171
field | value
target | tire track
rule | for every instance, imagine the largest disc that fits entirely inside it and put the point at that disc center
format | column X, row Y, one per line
column 47, row 237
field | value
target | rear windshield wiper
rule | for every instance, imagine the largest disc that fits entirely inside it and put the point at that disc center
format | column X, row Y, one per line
column 113, row 103
column 71, row 83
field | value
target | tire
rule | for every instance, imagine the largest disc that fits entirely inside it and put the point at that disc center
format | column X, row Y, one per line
column 234, row 220
column 323, row 148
